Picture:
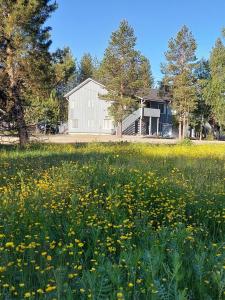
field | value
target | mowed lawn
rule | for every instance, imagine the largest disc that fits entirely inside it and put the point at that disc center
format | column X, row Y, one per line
column 112, row 221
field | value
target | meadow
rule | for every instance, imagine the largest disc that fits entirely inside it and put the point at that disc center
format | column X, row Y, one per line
column 112, row 221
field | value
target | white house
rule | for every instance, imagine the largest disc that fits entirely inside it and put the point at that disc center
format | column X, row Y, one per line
column 87, row 113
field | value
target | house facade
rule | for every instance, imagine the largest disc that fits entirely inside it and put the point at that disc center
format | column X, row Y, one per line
column 88, row 113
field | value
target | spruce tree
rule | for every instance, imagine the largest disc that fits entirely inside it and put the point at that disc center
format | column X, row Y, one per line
column 178, row 72
column 65, row 78
column 24, row 54
column 125, row 72
column 87, row 68
column 215, row 90
column 202, row 112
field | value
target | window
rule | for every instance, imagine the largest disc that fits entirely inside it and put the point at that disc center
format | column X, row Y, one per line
column 75, row 123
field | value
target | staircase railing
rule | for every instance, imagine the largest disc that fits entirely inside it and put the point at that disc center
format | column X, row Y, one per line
column 131, row 119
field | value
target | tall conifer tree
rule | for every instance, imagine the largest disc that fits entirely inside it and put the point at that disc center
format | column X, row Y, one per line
column 24, row 54
column 178, row 71
column 87, row 68
column 124, row 71
column 215, row 90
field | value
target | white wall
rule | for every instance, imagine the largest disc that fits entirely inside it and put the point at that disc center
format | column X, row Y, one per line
column 90, row 112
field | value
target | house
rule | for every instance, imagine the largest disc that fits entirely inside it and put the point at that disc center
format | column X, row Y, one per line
column 88, row 113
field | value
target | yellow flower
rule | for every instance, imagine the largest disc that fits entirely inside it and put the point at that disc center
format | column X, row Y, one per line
column 139, row 281
column 2, row 269
column 130, row 284
column 27, row 295
column 40, row 291
column 80, row 244
column 10, row 245
column 21, row 285
column 50, row 288
column 49, row 257
column 119, row 295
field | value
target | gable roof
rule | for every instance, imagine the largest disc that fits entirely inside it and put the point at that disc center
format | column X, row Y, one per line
column 81, row 85
column 154, row 95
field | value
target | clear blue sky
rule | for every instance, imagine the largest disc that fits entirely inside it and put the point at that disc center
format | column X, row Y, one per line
column 85, row 26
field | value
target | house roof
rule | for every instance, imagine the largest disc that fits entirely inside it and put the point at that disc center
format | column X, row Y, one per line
column 152, row 96
column 81, row 85
column 155, row 96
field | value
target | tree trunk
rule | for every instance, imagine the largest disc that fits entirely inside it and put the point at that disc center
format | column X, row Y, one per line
column 119, row 131
column 184, row 128
column 201, row 128
column 15, row 97
column 180, row 129
column 21, row 124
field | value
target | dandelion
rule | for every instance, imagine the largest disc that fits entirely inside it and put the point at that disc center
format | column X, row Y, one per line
column 9, row 245
column 27, row 295
column 49, row 258
column 50, row 288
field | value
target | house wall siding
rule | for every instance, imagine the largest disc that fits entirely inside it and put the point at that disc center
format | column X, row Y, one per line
column 89, row 110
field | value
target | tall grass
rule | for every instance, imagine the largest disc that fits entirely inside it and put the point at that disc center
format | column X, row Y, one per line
column 112, row 221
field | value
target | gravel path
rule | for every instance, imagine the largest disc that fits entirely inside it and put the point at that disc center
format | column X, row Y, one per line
column 87, row 138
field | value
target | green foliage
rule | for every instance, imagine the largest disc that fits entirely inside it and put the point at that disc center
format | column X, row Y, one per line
column 186, row 142
column 124, row 72
column 43, row 110
column 202, row 112
column 184, row 94
column 24, row 55
column 179, row 76
column 181, row 53
column 64, row 69
column 65, row 77
column 87, row 68
column 112, row 221
column 215, row 90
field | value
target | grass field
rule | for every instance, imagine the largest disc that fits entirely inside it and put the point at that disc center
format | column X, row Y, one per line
column 113, row 221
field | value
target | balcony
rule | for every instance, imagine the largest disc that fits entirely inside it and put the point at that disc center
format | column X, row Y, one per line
column 151, row 112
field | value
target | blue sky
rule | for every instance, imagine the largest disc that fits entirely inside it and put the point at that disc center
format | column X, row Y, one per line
column 86, row 26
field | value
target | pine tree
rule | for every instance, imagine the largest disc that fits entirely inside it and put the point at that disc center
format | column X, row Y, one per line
column 65, row 78
column 125, row 72
column 202, row 112
column 87, row 68
column 178, row 75
column 215, row 90
column 24, row 54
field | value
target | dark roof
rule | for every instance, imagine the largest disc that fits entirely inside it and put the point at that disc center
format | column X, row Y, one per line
column 154, row 95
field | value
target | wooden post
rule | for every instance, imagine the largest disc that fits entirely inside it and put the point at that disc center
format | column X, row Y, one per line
column 157, row 130
column 150, row 125
column 141, row 118
column 140, row 131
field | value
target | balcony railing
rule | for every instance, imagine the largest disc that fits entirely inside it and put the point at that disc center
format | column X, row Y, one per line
column 151, row 112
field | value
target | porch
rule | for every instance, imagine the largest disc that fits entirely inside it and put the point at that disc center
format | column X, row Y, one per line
column 144, row 121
